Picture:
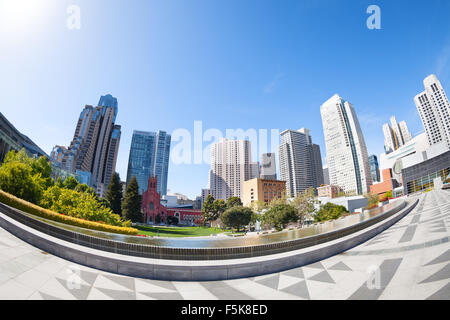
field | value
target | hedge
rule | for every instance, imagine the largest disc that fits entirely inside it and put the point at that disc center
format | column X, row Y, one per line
column 33, row 209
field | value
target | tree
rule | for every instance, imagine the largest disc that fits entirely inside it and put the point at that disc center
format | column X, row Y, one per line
column 234, row 201
column 70, row 183
column 372, row 199
column 329, row 211
column 279, row 215
column 208, row 209
column 131, row 205
column 158, row 219
column 304, row 204
column 257, row 206
column 114, row 194
column 279, row 200
column 236, row 216
column 219, row 207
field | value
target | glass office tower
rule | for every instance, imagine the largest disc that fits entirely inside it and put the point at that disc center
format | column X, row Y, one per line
column 149, row 157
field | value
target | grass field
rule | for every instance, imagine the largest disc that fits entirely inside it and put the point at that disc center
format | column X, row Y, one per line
column 178, row 231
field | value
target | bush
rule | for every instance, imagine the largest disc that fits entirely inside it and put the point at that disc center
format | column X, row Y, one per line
column 33, row 209
column 329, row 211
column 83, row 205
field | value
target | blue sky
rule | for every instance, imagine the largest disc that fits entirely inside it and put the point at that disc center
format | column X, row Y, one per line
column 231, row 64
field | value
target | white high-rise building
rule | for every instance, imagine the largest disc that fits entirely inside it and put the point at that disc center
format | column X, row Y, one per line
column 347, row 159
column 434, row 110
column 300, row 161
column 406, row 135
column 268, row 166
column 396, row 136
column 231, row 165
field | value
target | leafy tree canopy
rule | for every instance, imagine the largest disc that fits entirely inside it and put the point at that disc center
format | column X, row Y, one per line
column 237, row 216
column 233, row 201
column 279, row 215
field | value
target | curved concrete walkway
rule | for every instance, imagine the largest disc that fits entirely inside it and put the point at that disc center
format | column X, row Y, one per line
column 410, row 260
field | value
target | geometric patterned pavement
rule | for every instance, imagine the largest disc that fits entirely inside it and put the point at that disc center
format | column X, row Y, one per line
column 410, row 260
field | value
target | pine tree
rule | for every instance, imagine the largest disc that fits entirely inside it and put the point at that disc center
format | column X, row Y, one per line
column 114, row 194
column 131, row 205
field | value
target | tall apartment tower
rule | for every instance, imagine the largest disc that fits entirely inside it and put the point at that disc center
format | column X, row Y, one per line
column 347, row 159
column 300, row 161
column 268, row 166
column 230, row 166
column 95, row 144
column 395, row 135
column 149, row 157
column 434, row 110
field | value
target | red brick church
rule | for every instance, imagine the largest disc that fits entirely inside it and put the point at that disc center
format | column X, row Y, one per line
column 152, row 206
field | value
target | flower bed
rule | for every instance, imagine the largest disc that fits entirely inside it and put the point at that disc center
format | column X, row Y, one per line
column 33, row 209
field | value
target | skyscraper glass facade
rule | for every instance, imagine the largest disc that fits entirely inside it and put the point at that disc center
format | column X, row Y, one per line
column 374, row 168
column 149, row 156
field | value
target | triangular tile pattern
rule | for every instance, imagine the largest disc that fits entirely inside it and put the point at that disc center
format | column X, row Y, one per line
column 154, row 286
column 323, row 276
column 340, row 266
column 295, row 281
column 81, row 292
column 104, row 281
column 441, row 294
column 442, row 274
column 287, row 281
column 88, row 277
column 271, row 282
column 48, row 296
column 126, row 282
column 163, row 295
column 441, row 258
column 119, row 294
column 297, row 273
column 316, row 265
column 299, row 289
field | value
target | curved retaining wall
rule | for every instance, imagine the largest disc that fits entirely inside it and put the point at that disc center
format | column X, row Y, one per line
column 160, row 252
column 191, row 270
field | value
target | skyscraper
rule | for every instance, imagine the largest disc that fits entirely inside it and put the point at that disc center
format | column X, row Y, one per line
column 230, row 166
column 300, row 161
column 149, row 157
column 434, row 110
column 396, row 136
column 95, row 144
column 268, row 166
column 347, row 158
column 374, row 168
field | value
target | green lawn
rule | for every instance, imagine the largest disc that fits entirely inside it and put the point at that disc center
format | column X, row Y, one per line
column 177, row 231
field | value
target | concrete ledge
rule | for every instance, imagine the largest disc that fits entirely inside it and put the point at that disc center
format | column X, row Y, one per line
column 194, row 270
column 230, row 250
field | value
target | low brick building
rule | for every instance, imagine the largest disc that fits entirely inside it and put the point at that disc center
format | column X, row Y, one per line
column 388, row 183
column 262, row 190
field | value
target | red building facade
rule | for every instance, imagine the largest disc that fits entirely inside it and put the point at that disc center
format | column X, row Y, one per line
column 152, row 207
column 151, row 203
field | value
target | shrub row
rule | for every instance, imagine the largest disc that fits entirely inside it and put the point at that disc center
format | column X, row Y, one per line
column 33, row 209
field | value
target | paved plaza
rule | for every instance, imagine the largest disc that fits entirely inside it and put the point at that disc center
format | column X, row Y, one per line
column 410, row 260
